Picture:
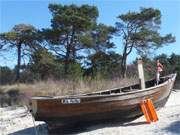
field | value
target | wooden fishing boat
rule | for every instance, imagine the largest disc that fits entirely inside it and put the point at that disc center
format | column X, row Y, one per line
column 119, row 103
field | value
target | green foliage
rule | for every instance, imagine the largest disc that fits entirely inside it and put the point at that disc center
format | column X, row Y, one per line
column 75, row 72
column 140, row 31
column 102, row 35
column 68, row 34
column 101, row 58
column 149, row 67
column 70, row 17
column 43, row 63
column 103, row 64
column 7, row 76
column 174, row 61
column 23, row 33
column 24, row 38
column 171, row 64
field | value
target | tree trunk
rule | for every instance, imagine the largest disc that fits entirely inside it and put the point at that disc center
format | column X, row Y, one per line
column 66, row 63
column 66, row 66
column 18, row 62
column 124, row 63
column 124, row 66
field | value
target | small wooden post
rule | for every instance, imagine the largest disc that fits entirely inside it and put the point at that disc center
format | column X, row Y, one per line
column 141, row 73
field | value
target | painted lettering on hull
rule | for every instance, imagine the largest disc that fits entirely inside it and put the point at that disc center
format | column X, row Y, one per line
column 71, row 101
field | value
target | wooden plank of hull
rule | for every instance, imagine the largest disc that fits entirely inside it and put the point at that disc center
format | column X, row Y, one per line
column 122, row 106
column 125, row 114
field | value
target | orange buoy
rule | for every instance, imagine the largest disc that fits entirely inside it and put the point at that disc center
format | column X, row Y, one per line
column 149, row 111
column 145, row 111
column 152, row 110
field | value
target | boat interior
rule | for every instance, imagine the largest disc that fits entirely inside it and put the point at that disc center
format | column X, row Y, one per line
column 135, row 87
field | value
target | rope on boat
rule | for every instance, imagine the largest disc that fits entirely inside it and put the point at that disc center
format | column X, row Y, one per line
column 176, row 90
column 34, row 125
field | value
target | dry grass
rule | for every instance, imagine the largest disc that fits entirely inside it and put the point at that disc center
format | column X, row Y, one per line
column 62, row 87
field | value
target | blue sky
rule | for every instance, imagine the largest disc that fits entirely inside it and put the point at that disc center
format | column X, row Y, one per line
column 36, row 12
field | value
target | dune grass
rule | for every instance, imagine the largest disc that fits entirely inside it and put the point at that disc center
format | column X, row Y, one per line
column 66, row 87
column 19, row 94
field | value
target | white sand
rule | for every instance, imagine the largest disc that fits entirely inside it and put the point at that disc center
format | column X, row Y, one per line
column 17, row 121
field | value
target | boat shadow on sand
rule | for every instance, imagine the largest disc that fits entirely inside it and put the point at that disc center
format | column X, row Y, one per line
column 72, row 128
column 89, row 126
column 38, row 130
column 174, row 127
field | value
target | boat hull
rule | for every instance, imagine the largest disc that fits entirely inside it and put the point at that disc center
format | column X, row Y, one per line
column 122, row 106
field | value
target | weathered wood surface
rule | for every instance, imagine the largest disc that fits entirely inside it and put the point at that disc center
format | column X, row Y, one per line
column 121, row 103
column 141, row 73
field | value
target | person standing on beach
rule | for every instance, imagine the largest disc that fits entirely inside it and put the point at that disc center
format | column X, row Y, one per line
column 159, row 70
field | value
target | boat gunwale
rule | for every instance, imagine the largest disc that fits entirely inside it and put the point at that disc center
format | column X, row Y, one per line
column 172, row 77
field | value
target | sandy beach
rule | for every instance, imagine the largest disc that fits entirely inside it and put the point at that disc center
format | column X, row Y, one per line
column 18, row 121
